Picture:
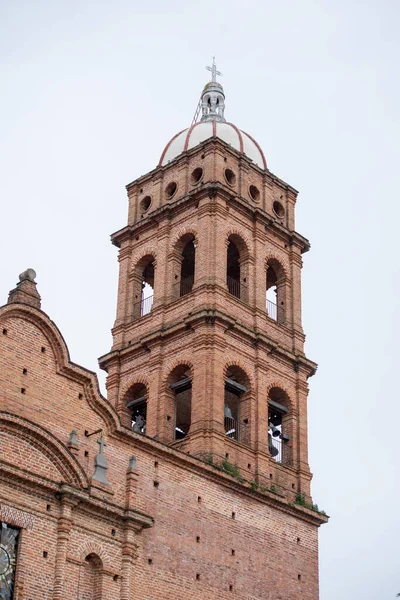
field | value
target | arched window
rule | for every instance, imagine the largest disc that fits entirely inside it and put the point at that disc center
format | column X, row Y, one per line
column 279, row 426
column 90, row 583
column 143, row 287
column 237, row 405
column 236, row 267
column 275, row 301
column 180, row 384
column 8, row 559
column 188, row 262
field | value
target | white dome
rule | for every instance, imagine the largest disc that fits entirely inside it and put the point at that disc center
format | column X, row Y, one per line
column 191, row 137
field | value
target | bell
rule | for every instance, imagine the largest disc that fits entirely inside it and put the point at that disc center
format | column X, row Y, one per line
column 227, row 412
column 275, row 431
column 273, row 450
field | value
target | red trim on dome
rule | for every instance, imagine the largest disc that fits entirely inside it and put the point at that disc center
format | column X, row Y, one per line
column 214, row 128
column 258, row 146
column 239, row 135
column 168, row 145
column 185, row 147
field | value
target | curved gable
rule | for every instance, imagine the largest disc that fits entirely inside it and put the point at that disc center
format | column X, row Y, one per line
column 34, row 450
column 32, row 337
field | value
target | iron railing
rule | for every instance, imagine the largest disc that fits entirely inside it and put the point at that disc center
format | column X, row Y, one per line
column 143, row 308
column 183, row 287
column 274, row 311
column 279, row 450
column 186, row 286
column 237, row 431
column 235, row 287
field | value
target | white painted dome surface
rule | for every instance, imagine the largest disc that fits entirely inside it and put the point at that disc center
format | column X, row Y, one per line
column 191, row 137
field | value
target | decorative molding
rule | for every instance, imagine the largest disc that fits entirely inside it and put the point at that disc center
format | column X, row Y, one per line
column 48, row 445
column 14, row 516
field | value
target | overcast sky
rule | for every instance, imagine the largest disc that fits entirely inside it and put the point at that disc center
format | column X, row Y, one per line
column 91, row 93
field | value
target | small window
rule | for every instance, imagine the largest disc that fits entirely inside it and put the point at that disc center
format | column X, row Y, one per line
column 145, row 204
column 196, row 176
column 230, row 176
column 254, row 193
column 278, row 209
column 171, row 188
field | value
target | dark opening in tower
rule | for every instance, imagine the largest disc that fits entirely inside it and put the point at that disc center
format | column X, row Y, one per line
column 147, row 289
column 188, row 267
column 181, row 385
column 233, row 269
column 237, row 405
column 143, row 286
column 275, row 303
column 137, row 405
column 279, row 426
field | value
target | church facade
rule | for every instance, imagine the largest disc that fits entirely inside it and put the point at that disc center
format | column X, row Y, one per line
column 191, row 479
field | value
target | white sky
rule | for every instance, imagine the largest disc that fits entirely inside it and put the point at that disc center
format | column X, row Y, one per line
column 91, row 93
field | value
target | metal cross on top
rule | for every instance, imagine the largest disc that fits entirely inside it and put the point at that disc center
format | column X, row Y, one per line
column 214, row 71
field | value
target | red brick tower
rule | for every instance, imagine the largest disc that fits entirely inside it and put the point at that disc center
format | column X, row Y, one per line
column 191, row 479
column 208, row 343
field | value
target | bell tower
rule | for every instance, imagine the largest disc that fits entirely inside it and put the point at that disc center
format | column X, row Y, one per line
column 207, row 353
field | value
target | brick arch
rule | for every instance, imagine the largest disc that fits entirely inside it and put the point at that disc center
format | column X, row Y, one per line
column 278, row 384
column 281, row 386
column 167, row 370
column 282, row 262
column 128, row 385
column 242, row 236
column 92, row 547
column 136, row 258
column 185, row 231
column 48, row 445
column 245, row 368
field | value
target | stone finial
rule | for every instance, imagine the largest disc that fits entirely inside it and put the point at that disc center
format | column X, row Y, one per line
column 25, row 292
column 73, row 443
column 100, row 461
column 28, row 275
column 73, row 438
column 132, row 463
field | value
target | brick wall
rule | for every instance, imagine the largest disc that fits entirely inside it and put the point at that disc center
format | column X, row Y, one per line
column 273, row 542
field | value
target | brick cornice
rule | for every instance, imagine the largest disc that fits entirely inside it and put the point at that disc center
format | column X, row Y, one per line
column 209, row 190
column 211, row 316
column 195, row 465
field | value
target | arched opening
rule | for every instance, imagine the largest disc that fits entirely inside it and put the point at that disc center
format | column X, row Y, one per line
column 144, row 287
column 188, row 262
column 233, row 269
column 180, row 384
column 237, row 405
column 275, row 303
column 279, row 426
column 136, row 403
column 236, row 267
column 90, row 585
